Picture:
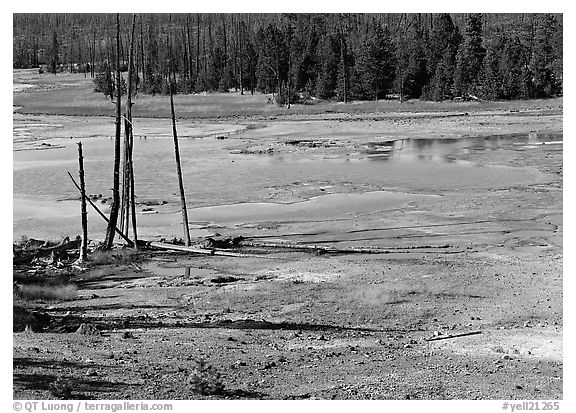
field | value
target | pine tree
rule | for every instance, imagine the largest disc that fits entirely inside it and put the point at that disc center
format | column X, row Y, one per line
column 304, row 33
column 264, row 68
column 214, row 68
column 226, row 79
column 411, row 67
column 490, row 80
column 328, row 55
column 345, row 62
column 222, row 76
column 248, row 58
column 270, row 60
column 469, row 58
column 104, row 83
column 153, row 79
column 543, row 64
column 443, row 45
column 513, row 68
column 375, row 68
column 54, row 54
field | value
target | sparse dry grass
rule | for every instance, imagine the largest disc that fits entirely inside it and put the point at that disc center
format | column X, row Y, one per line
column 47, row 292
column 125, row 256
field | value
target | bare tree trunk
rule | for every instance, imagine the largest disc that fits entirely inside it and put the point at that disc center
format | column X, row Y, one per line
column 70, row 51
column 81, row 65
column 93, row 55
column 225, row 43
column 84, row 213
column 343, row 61
column 204, row 64
column 142, row 51
column 240, row 77
column 124, row 196
column 121, row 54
column 111, row 230
column 128, row 141
column 132, row 195
column 226, row 58
column 35, row 59
column 278, row 78
column 178, row 167
column 197, row 45
column 130, row 206
column 288, row 83
column 99, row 55
column 189, row 44
column 238, row 55
column 110, row 51
column 137, row 64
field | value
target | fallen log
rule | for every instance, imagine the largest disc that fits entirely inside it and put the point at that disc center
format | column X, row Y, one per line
column 204, row 251
column 43, row 251
column 469, row 333
column 223, row 242
column 350, row 250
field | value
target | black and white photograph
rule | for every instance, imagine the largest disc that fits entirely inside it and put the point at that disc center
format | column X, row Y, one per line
column 287, row 206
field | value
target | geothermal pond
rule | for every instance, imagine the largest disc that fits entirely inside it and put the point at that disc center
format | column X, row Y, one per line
column 226, row 188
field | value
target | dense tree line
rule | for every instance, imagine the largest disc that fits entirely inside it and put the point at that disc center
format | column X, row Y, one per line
column 300, row 56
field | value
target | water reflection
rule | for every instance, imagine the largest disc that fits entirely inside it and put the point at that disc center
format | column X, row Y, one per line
column 213, row 176
column 449, row 150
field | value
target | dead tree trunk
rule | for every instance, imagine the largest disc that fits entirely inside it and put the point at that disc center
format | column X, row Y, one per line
column 132, row 196
column 129, row 200
column 130, row 154
column 343, row 65
column 93, row 54
column 177, row 157
column 99, row 212
column 142, row 51
column 129, row 142
column 84, row 213
column 189, row 43
column 125, row 207
column 197, row 45
column 179, row 172
column 288, row 83
column 124, row 196
column 239, row 56
column 111, row 230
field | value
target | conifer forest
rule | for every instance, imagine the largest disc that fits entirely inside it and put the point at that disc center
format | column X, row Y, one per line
column 303, row 56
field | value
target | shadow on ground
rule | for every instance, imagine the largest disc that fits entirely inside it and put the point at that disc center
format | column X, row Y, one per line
column 45, row 373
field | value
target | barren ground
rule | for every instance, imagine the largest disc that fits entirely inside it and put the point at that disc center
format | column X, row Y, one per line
column 483, row 256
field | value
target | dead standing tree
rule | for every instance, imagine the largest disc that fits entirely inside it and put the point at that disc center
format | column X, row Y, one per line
column 84, row 213
column 111, row 229
column 130, row 158
column 128, row 197
column 171, row 75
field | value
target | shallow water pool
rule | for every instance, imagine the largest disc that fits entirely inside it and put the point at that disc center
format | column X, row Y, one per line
column 215, row 178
